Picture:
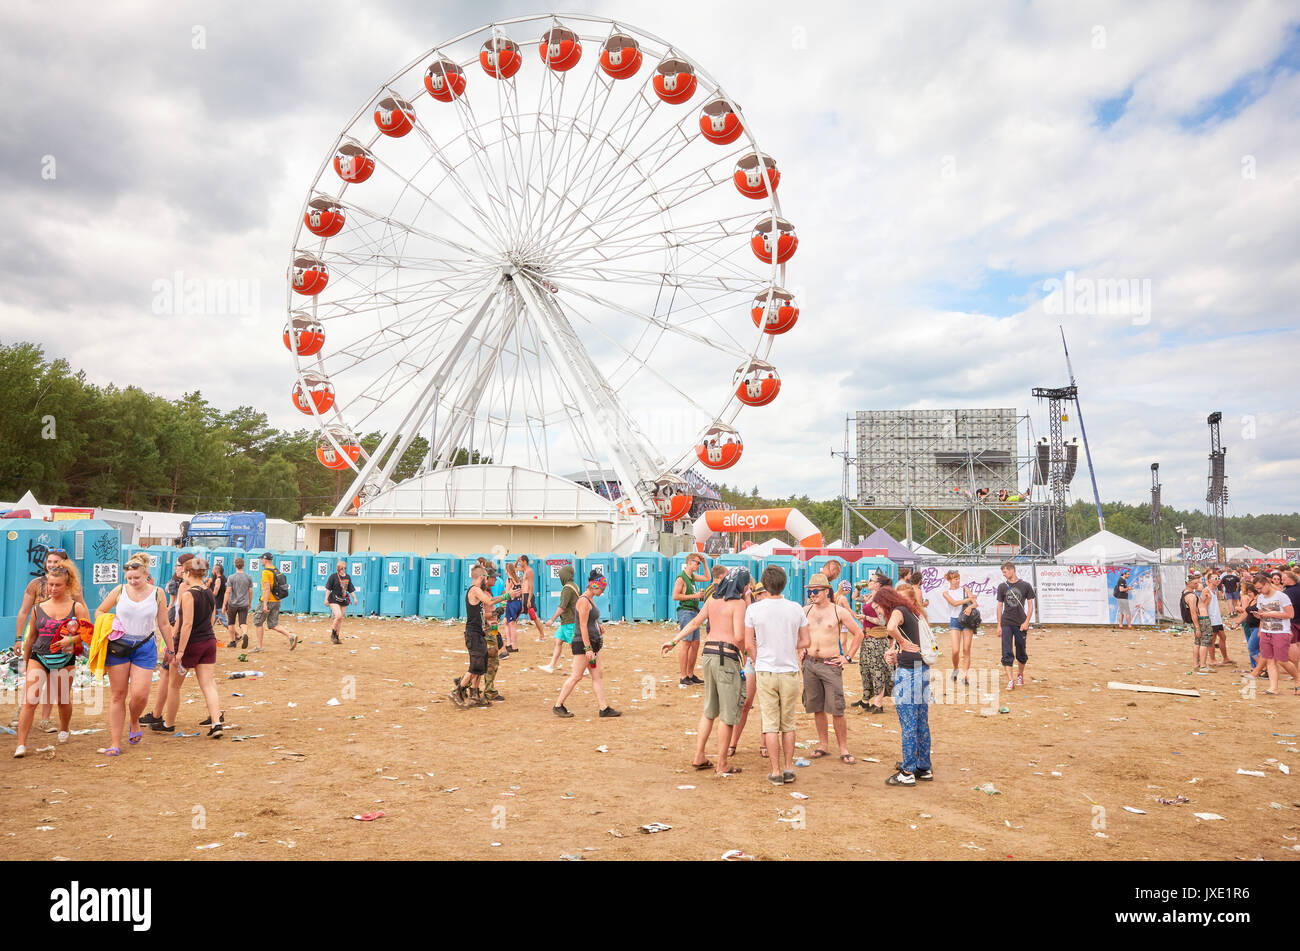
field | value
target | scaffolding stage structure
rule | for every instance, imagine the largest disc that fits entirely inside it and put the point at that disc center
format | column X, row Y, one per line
column 966, row 482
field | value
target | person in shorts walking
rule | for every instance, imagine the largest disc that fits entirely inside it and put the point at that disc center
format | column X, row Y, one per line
column 238, row 601
column 340, row 592
column 1015, row 608
column 268, row 608
column 1275, row 615
column 775, row 631
column 1121, row 592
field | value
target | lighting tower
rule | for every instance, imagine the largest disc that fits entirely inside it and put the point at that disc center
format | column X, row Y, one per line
column 1155, row 507
column 1216, row 492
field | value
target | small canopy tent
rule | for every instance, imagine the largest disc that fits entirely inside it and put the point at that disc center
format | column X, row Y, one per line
column 1245, row 553
column 895, row 552
column 1107, row 548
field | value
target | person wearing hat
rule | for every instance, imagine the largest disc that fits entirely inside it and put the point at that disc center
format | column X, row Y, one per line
column 823, row 665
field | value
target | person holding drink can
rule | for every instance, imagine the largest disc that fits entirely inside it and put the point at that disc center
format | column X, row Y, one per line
column 588, row 639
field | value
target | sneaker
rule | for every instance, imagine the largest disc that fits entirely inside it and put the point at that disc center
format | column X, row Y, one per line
column 233, row 643
column 788, row 776
column 925, row 775
column 254, row 650
column 610, row 712
column 20, row 752
column 293, row 642
column 901, row 778
column 334, row 639
column 215, row 732
column 1011, row 684
column 63, row 736
column 45, row 726
column 159, row 727
column 686, row 682
column 208, row 721
column 546, row 667
column 244, row 643
column 695, row 680
column 147, row 719
column 1020, row 681
column 954, row 676
column 562, row 712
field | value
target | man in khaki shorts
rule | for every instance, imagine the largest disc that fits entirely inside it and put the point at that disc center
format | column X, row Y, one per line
column 268, row 609
column 724, row 693
column 775, row 631
column 823, row 665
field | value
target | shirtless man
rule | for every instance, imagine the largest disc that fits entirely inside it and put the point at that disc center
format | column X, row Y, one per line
column 529, row 578
column 723, row 692
column 823, row 665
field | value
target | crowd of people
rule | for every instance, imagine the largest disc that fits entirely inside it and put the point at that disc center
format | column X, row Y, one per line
column 753, row 644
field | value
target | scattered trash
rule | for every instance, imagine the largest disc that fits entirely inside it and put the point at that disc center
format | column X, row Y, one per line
column 1176, row 801
column 236, row 694
column 247, row 736
column 736, row 855
column 1004, row 709
column 332, row 702
column 602, row 749
column 987, row 788
column 1284, row 734
column 369, row 816
column 798, row 795
column 570, row 858
column 1284, row 768
column 1143, row 688
column 615, row 833
column 802, row 762
column 9, row 730
column 1136, row 812
column 242, row 674
column 1275, row 805
column 84, row 732
column 655, row 827
column 1102, row 835
column 1207, row 816
column 292, row 704
column 972, row 846
column 685, row 787
column 1250, row 772
column 211, row 845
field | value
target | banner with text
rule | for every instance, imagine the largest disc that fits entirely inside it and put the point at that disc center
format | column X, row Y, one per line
column 982, row 580
column 1084, row 594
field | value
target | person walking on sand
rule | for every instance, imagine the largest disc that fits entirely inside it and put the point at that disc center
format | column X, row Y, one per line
column 960, row 635
column 748, row 682
column 529, row 578
column 588, row 639
column 239, row 592
column 479, row 607
column 724, row 612
column 776, row 629
column 1275, row 615
column 823, row 666
column 877, row 675
column 1015, row 608
column 1121, row 592
column 268, row 608
column 33, row 594
column 140, row 613
column 340, row 593
column 688, row 605
column 159, row 705
column 48, row 648
column 566, row 613
column 196, row 650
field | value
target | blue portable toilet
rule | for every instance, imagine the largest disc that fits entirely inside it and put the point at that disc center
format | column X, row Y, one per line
column 814, row 565
column 162, row 562
column 296, row 567
column 96, row 549
column 549, row 583
column 127, row 552
column 26, row 543
column 533, row 561
column 794, row 576
column 399, row 594
column 864, row 567
column 645, row 592
column 364, row 568
column 740, row 559
column 611, row 566
column 440, row 588
column 225, row 557
column 322, row 566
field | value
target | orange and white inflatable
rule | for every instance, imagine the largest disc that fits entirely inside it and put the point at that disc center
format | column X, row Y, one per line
column 758, row 520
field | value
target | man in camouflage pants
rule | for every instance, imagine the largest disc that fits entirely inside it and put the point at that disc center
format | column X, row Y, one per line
column 492, row 630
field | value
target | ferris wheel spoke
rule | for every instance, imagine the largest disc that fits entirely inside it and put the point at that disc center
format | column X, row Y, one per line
column 620, row 245
column 496, row 187
column 442, row 210
column 659, row 323
column 651, row 278
column 375, row 218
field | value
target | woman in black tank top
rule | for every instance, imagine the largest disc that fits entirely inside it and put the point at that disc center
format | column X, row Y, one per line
column 196, row 649
column 587, row 642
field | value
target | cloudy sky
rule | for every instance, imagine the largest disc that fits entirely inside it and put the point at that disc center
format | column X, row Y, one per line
column 948, row 167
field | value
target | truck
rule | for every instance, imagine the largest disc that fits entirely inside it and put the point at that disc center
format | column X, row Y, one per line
column 247, row 530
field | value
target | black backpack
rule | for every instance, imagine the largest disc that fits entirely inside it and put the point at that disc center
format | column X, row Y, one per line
column 280, row 587
column 1184, row 609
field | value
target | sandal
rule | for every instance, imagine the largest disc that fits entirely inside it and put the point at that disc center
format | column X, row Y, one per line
column 732, row 769
column 113, row 751
column 134, row 738
column 731, row 751
column 705, row 765
column 762, row 751
column 848, row 758
column 818, row 754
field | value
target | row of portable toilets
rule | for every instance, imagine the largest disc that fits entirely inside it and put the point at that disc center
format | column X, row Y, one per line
column 398, row 584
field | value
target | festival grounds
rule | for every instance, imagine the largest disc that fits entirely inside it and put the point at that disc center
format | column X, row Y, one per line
column 516, row 782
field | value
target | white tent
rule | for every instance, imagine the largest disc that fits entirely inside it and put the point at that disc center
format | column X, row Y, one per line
column 28, row 501
column 763, row 549
column 1107, row 548
column 919, row 548
column 1245, row 553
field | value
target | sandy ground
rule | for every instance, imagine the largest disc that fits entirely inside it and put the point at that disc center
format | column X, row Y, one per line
column 514, row 781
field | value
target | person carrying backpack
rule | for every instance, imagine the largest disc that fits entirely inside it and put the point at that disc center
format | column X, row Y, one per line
column 275, row 588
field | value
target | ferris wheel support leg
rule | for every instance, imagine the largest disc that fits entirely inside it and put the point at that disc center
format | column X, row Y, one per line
column 383, row 459
column 636, row 464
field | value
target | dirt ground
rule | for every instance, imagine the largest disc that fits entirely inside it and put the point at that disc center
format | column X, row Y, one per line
column 515, row 782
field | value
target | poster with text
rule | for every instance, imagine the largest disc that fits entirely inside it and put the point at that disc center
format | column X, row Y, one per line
column 1084, row 594
column 981, row 580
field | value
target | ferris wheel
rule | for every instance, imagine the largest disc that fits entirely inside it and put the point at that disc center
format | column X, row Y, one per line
column 553, row 241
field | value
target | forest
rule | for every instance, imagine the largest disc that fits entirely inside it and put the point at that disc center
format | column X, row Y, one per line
column 74, row 443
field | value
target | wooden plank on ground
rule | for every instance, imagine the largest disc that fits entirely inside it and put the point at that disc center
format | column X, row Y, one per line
column 1143, row 688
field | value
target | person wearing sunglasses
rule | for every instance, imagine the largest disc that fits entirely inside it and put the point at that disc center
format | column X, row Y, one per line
column 33, row 595
column 823, row 666
column 588, row 639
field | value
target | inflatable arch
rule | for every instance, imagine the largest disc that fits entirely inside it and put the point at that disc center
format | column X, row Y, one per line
column 758, row 520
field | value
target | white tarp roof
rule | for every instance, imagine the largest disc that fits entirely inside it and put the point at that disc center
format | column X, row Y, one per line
column 491, row 491
column 1244, row 553
column 763, row 549
column 1107, row 548
column 28, row 501
column 919, row 548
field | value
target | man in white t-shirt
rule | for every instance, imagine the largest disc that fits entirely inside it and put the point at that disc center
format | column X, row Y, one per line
column 776, row 629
